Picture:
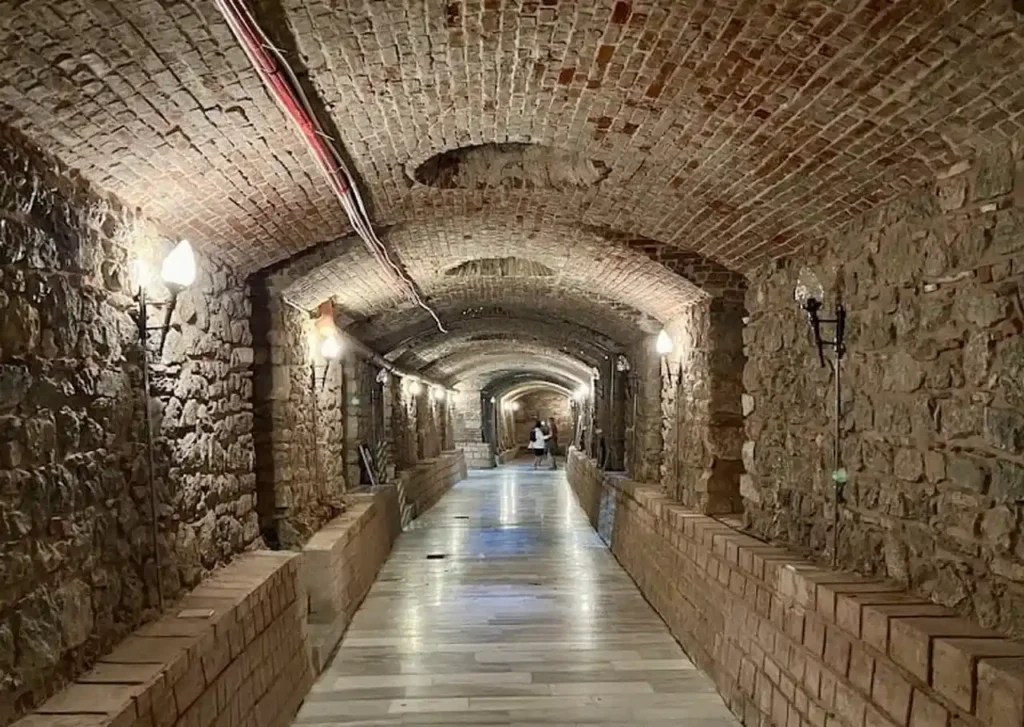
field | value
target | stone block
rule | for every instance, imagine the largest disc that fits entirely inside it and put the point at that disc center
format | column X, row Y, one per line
column 954, row 664
column 891, row 692
column 926, row 712
column 875, row 616
column 1000, row 693
column 910, row 640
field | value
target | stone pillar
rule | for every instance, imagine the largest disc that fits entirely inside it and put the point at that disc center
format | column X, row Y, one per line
column 357, row 417
column 468, row 424
column 702, row 425
column 298, row 424
column 644, row 444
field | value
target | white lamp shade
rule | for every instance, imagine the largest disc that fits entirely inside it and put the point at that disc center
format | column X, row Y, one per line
column 664, row 343
column 179, row 267
column 330, row 348
column 438, row 393
column 415, row 388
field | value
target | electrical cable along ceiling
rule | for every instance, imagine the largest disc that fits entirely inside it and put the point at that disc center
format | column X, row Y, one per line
column 280, row 81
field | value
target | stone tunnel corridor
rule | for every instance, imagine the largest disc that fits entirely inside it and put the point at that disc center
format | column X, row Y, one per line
column 277, row 275
column 527, row 619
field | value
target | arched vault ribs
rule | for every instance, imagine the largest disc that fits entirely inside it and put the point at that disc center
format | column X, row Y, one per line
column 513, row 287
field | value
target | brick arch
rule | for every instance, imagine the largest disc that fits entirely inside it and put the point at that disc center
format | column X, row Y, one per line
column 530, row 387
column 478, row 372
column 429, row 345
column 502, row 384
column 553, row 250
column 529, row 302
column 475, row 356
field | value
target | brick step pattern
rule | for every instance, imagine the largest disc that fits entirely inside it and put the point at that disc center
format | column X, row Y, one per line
column 792, row 644
column 232, row 654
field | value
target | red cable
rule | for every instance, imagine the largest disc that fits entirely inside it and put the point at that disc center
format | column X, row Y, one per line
column 284, row 93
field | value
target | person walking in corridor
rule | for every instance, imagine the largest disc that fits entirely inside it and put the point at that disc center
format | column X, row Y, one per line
column 552, row 443
column 538, row 444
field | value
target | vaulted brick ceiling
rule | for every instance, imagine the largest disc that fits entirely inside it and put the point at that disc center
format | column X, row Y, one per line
column 639, row 150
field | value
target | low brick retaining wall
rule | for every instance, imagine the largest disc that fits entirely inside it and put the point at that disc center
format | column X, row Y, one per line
column 341, row 562
column 790, row 643
column 425, row 483
column 234, row 652
column 508, row 455
column 478, row 455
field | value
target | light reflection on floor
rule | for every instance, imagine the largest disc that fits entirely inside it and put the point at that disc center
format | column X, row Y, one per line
column 527, row 619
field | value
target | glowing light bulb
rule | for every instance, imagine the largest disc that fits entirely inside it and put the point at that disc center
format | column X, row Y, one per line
column 330, row 348
column 664, row 344
column 438, row 393
column 583, row 392
column 179, row 267
column 415, row 388
column 515, row 406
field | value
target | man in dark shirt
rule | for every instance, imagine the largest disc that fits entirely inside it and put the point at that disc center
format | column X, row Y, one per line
column 552, row 442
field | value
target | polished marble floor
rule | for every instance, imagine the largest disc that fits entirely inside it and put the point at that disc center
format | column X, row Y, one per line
column 527, row 619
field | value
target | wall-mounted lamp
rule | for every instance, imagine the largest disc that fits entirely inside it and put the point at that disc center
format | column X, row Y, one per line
column 493, row 400
column 438, row 393
column 178, row 272
column 809, row 294
column 583, row 392
column 415, row 388
column 330, row 347
column 664, row 345
column 383, row 376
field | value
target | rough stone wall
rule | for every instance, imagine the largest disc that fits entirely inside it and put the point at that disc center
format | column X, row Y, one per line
column 933, row 403
column 405, row 419
column 643, row 437
column 76, row 569
column 359, row 382
column 507, row 428
column 429, row 429
column 467, row 416
column 300, row 453
column 543, row 405
column 702, row 420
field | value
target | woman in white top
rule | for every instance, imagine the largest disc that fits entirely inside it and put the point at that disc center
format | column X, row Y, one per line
column 537, row 444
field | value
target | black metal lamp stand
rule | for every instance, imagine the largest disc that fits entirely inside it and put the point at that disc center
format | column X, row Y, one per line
column 144, row 329
column 839, row 475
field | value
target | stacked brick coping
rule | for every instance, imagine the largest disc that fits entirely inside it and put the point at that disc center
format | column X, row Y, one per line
column 232, row 653
column 236, row 652
column 790, row 644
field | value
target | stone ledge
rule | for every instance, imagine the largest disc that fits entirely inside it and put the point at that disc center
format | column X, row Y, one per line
column 508, row 455
column 425, row 482
column 478, row 455
column 340, row 563
column 790, row 642
column 233, row 650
